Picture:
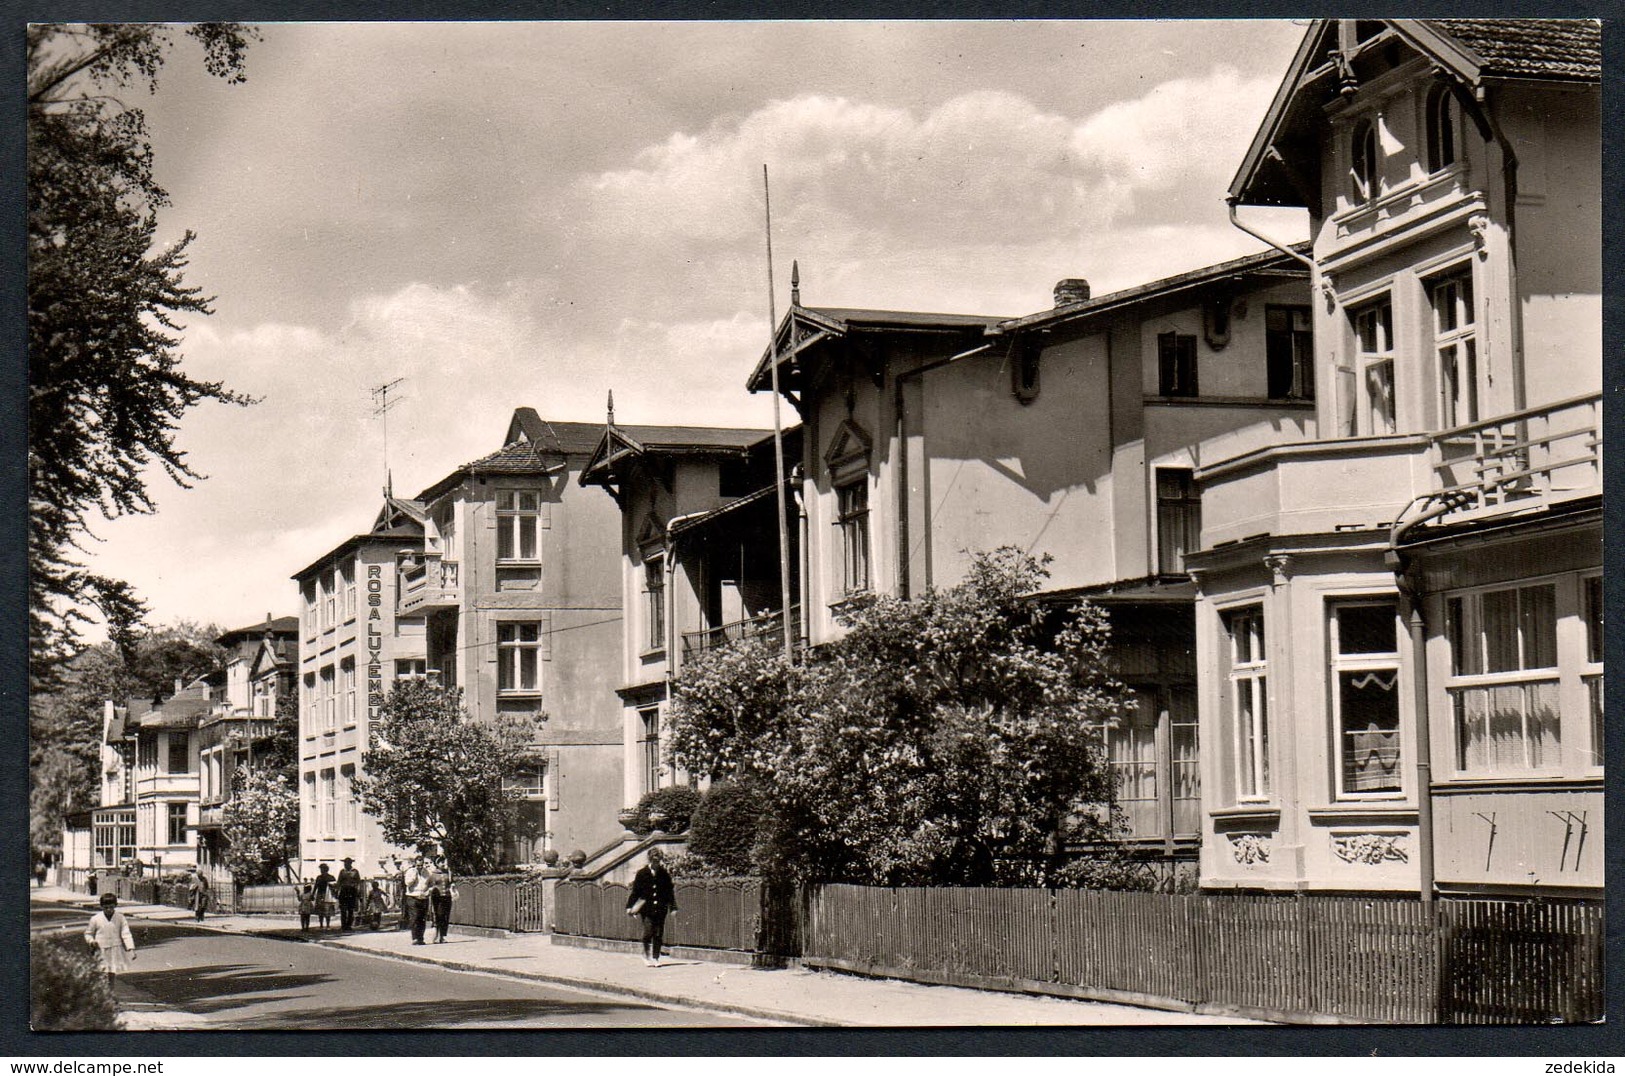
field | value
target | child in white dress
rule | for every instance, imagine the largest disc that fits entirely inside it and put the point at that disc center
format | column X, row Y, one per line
column 110, row 934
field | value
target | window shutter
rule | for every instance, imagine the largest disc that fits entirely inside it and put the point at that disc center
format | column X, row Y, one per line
column 555, row 778
column 545, row 629
column 546, row 515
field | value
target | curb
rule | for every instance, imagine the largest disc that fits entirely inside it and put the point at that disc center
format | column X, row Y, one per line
column 598, row 986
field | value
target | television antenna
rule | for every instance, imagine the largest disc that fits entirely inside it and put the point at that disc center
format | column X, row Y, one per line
column 383, row 400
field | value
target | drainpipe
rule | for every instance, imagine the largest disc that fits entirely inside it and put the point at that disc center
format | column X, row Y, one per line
column 1261, row 237
column 798, row 478
column 1410, row 591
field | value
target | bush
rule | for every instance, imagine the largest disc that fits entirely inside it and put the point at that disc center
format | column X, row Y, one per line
column 70, row 990
column 727, row 827
column 677, row 803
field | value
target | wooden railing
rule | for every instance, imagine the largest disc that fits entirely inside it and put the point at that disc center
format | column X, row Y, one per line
column 729, row 914
column 770, row 625
column 1536, row 454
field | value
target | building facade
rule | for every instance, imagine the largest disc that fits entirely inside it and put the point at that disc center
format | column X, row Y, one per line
column 699, row 559
column 353, row 644
column 1399, row 623
column 1071, row 434
column 518, row 585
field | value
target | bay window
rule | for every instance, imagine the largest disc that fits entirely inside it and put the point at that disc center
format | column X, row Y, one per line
column 1456, row 344
column 1504, row 679
column 1364, row 648
column 1374, row 349
column 1249, row 703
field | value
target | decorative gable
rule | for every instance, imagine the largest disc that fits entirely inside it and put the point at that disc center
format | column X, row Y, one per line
column 848, row 452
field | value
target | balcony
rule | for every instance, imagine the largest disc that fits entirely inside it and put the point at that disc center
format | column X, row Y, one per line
column 1348, row 484
column 768, row 625
column 1525, row 461
column 426, row 583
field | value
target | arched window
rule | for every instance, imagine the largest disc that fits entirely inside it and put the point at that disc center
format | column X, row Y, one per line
column 1441, row 129
column 1363, row 161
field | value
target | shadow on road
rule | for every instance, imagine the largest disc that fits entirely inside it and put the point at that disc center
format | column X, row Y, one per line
column 215, row 987
column 430, row 1014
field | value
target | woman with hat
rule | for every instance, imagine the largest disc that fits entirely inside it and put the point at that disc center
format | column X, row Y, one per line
column 349, row 890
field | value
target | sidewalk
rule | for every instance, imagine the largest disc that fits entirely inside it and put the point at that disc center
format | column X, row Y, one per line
column 789, row 996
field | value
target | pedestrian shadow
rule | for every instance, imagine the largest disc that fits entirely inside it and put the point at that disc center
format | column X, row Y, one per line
column 395, row 1016
column 215, row 987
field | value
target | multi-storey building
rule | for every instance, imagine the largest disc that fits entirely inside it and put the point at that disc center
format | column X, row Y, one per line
column 164, row 781
column 1399, row 625
column 518, row 586
column 1073, row 433
column 353, row 644
column 261, row 664
column 699, row 557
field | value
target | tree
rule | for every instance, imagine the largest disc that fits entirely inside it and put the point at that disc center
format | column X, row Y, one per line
column 950, row 739
column 261, row 825
column 433, row 775
column 260, row 822
column 106, row 386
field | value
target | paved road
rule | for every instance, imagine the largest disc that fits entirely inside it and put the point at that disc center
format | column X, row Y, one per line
column 200, row 979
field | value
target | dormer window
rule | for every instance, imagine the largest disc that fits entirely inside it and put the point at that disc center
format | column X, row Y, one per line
column 1363, row 161
column 1441, row 130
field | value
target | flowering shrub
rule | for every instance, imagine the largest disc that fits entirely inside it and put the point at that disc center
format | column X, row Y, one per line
column 675, row 804
column 69, row 987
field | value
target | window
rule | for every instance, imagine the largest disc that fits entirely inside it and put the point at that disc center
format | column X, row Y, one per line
column 146, row 750
column 329, row 804
column 1504, row 682
column 411, row 668
column 1176, row 364
column 1374, row 340
column 1179, row 519
column 528, row 781
column 1441, row 130
column 1363, row 162
column 180, row 753
column 348, row 575
column 1249, row 703
column 329, row 601
column 852, row 503
column 651, row 747
column 308, row 591
column 1151, row 749
column 328, row 701
column 1289, row 353
column 114, row 837
column 347, row 781
column 177, row 823
column 347, row 686
column 1455, row 343
column 1591, row 598
column 1364, row 646
column 518, row 657
column 519, row 514
column 654, row 601
column 311, row 815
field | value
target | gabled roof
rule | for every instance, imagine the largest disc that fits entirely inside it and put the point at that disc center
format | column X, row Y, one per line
column 523, row 457
column 180, row 711
column 806, row 326
column 563, row 438
column 282, row 625
column 617, row 443
column 403, row 533
column 1471, row 50
column 1271, row 263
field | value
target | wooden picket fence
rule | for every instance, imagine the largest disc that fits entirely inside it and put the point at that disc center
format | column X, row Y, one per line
column 713, row 913
column 1289, row 958
column 500, row 903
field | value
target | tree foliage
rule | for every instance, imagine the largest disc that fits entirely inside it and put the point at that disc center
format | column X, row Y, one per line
column 433, row 775
column 261, row 825
column 106, row 385
column 949, row 739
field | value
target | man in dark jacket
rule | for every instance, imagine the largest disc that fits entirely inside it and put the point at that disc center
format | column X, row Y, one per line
column 349, row 892
column 652, row 898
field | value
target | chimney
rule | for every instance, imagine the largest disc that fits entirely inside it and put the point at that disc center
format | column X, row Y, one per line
column 179, row 687
column 1071, row 291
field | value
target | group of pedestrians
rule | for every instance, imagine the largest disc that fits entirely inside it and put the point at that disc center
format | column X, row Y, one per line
column 429, row 893
column 326, row 894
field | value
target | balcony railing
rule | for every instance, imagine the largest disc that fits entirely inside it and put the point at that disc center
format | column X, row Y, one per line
column 769, row 625
column 428, row 582
column 1524, row 460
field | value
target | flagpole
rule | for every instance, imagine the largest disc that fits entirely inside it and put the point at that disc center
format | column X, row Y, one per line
column 778, row 435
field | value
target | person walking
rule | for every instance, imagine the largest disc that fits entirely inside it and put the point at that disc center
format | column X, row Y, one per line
column 325, row 904
column 110, row 934
column 198, row 892
column 416, row 907
column 349, row 890
column 441, row 893
column 307, row 905
column 653, row 898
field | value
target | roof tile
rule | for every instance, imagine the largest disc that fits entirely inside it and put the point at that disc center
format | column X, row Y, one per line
column 1531, row 48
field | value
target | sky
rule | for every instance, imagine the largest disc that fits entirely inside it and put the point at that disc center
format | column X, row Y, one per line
column 535, row 214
